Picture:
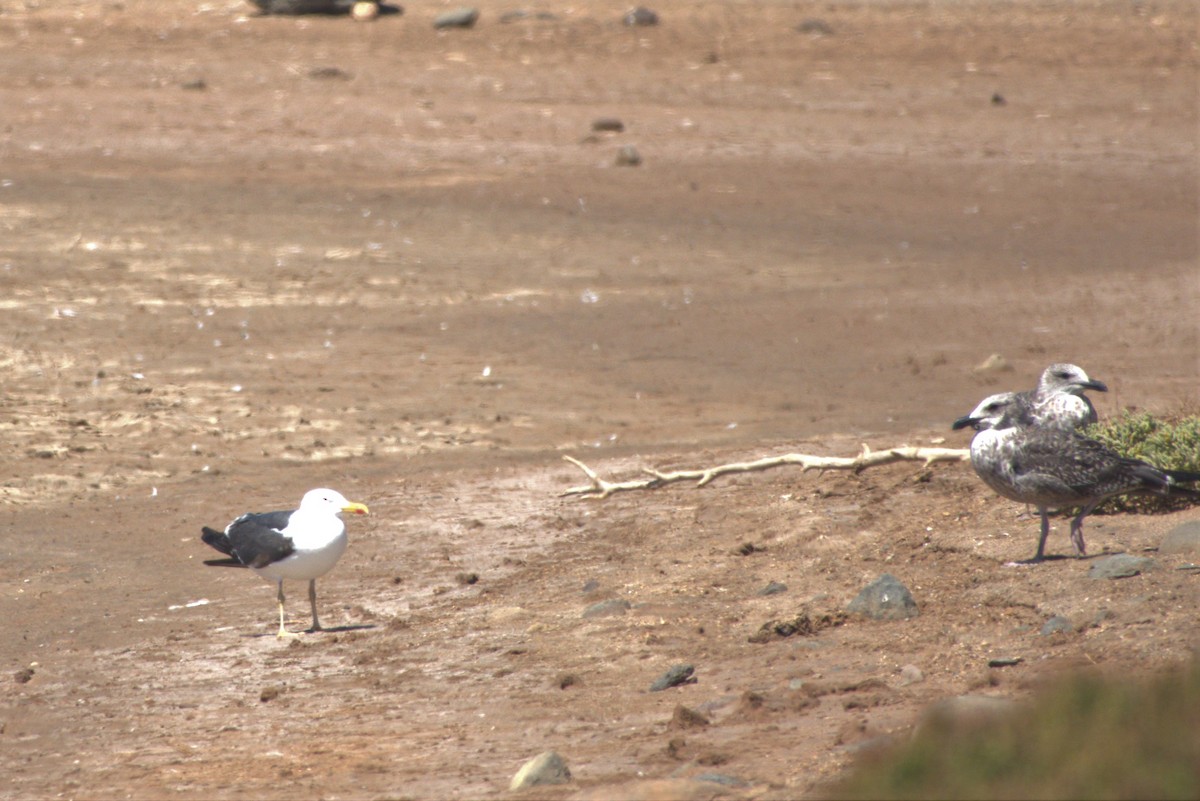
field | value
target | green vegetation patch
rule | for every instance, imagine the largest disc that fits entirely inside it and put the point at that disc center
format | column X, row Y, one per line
column 1167, row 443
column 1085, row 737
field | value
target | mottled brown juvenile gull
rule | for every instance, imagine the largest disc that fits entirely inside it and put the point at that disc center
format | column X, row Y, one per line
column 302, row 543
column 1055, row 468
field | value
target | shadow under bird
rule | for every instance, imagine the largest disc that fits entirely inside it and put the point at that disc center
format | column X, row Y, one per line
column 1055, row 468
column 303, row 543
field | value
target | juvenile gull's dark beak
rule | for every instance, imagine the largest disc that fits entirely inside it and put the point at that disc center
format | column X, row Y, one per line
column 1092, row 383
column 963, row 422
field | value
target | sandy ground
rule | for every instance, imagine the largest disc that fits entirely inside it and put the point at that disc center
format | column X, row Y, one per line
column 245, row 256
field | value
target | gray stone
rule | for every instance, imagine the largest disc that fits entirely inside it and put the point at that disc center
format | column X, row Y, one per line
column 611, row 124
column 773, row 588
column 628, row 156
column 545, row 768
column 613, row 606
column 1056, row 624
column 641, row 16
column 462, row 17
column 1183, row 539
column 815, row 26
column 911, row 674
column 1005, row 661
column 678, row 674
column 1121, row 565
column 884, row 599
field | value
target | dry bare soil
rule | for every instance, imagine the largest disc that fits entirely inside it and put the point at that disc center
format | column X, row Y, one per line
column 246, row 256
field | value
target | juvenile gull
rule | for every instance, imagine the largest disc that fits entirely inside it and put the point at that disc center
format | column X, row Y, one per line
column 1058, row 399
column 303, row 543
column 1053, row 468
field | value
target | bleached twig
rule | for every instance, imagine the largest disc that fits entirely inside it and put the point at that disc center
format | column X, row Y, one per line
column 601, row 488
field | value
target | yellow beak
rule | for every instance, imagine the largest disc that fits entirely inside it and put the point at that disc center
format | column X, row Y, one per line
column 355, row 508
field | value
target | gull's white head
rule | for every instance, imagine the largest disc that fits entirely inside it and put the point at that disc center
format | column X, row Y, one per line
column 1069, row 378
column 1002, row 410
column 330, row 502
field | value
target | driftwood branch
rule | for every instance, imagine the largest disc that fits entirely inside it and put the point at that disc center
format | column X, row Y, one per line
column 602, row 488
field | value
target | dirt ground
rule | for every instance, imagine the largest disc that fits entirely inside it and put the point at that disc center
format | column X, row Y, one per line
column 247, row 256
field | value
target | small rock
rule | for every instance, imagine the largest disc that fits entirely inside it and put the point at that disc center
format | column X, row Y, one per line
column 998, row 99
column 23, row 676
column 269, row 694
column 884, row 599
column 195, row 85
column 628, row 156
column 613, row 606
column 993, row 364
column 545, row 768
column 364, row 11
column 911, row 674
column 1005, row 661
column 1183, row 539
column 640, row 16
column 803, row 624
column 463, row 17
column 608, row 124
column 329, row 74
column 814, row 26
column 1056, row 624
column 1121, row 565
column 773, row 588
column 677, row 675
column 467, row 578
column 687, row 718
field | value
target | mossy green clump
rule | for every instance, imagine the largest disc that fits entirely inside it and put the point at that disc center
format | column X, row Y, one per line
column 1085, row 737
column 1171, row 443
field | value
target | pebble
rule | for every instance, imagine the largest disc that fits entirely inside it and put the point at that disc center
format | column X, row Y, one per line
column 545, row 768
column 462, row 17
column 687, row 718
column 993, row 364
column 1005, row 661
column 1183, row 539
column 1056, row 624
column 884, row 599
column 814, row 26
column 613, row 606
column 608, row 124
column 678, row 674
column 773, row 588
column 641, row 16
column 911, row 674
column 628, row 156
column 1121, row 565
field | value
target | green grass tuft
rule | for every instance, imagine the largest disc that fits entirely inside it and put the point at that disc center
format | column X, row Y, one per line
column 1085, row 737
column 1167, row 443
